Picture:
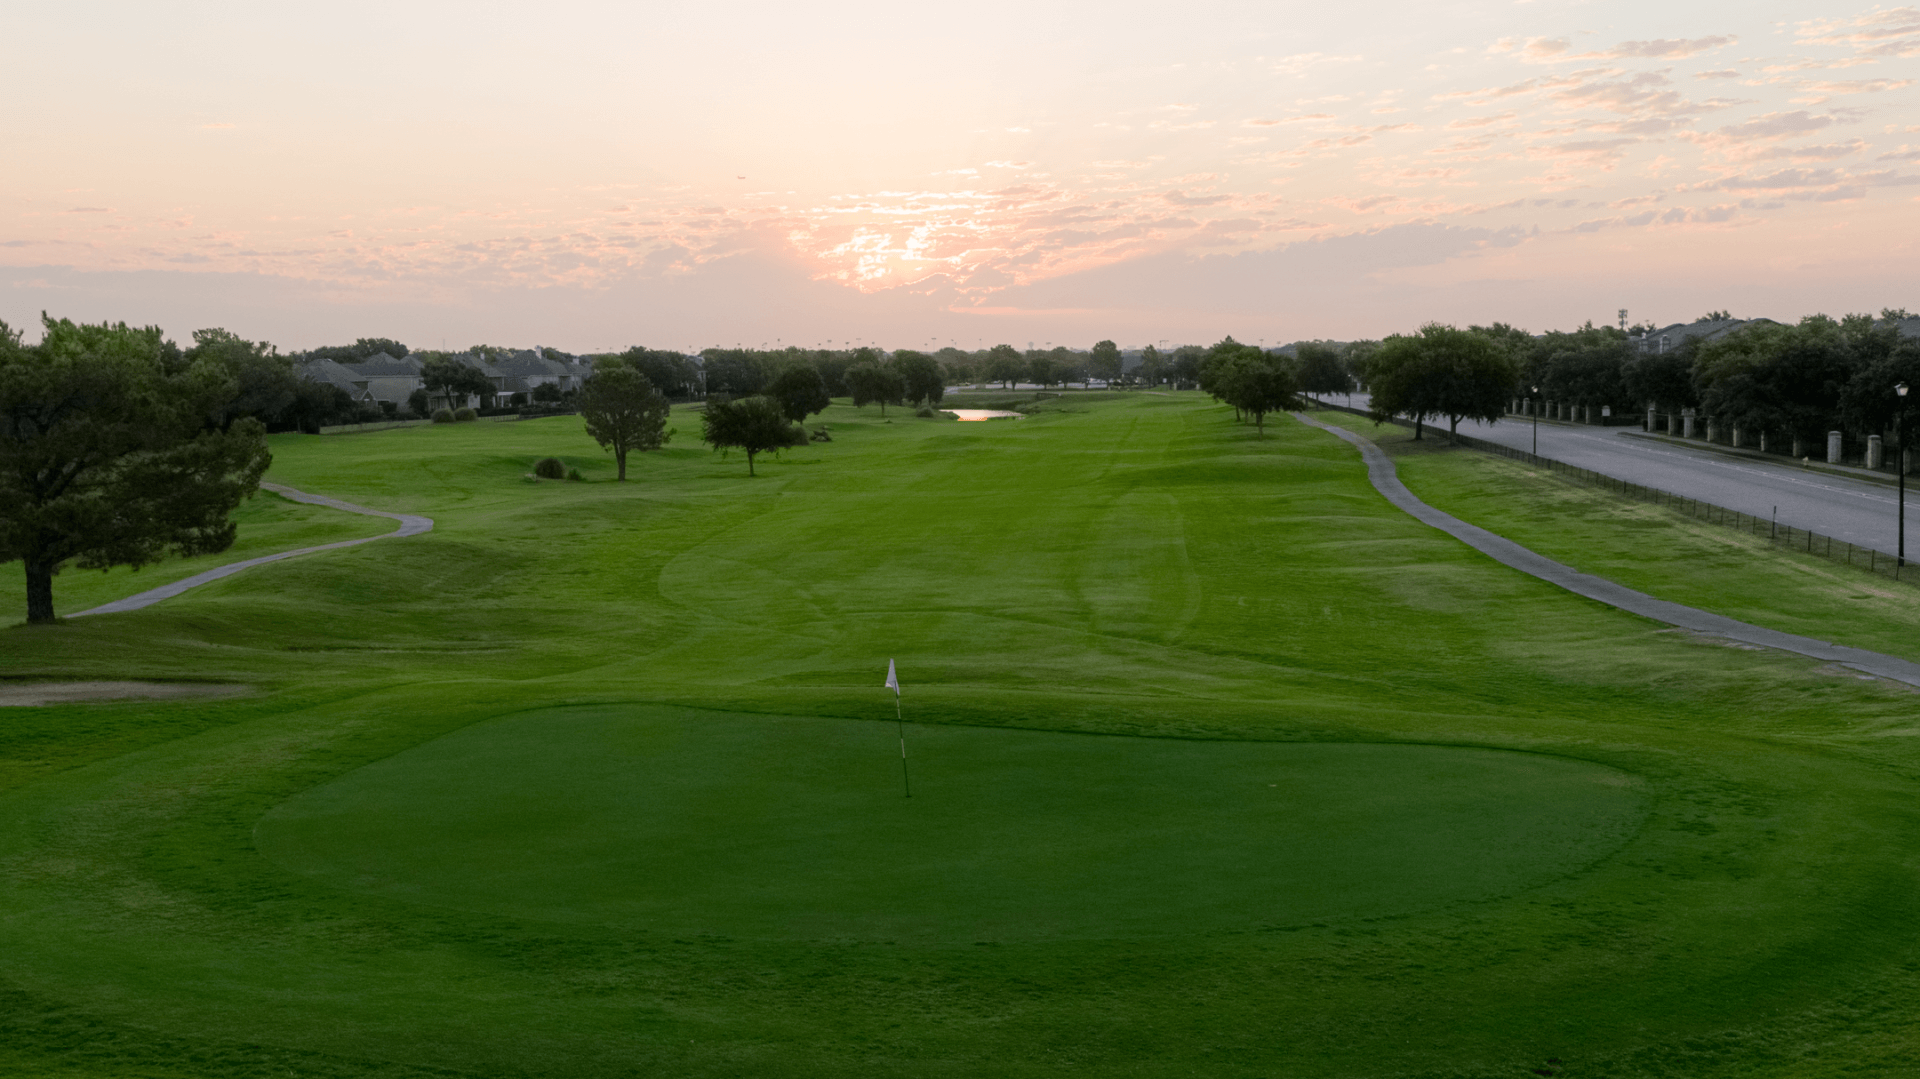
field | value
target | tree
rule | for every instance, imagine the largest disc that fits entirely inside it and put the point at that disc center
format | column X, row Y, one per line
column 1441, row 371
column 871, row 381
column 754, row 424
column 1005, row 365
column 670, row 372
column 1153, row 366
column 921, row 381
column 800, row 390
column 623, row 412
column 1041, row 369
column 1254, row 382
column 107, row 456
column 1104, row 362
column 1322, row 368
column 265, row 386
column 451, row 378
column 1186, row 363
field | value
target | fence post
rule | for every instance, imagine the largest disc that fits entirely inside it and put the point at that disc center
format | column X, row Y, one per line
column 1833, row 447
column 1875, row 451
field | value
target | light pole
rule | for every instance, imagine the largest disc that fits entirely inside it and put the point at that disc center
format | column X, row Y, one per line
column 1536, row 420
column 1900, row 468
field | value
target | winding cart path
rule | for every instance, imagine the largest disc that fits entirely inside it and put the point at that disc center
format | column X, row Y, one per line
column 1386, row 480
column 410, row 525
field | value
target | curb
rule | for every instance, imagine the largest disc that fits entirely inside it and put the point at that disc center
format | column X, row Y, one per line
column 1744, row 454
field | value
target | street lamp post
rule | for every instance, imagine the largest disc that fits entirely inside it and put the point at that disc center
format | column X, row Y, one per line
column 1900, row 469
column 1536, row 421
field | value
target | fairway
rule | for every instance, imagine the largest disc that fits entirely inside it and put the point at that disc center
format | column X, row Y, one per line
column 1221, row 766
column 688, row 822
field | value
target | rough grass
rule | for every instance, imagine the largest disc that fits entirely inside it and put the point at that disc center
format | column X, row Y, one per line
column 1146, row 569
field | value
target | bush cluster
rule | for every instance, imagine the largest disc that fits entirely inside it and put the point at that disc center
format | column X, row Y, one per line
column 465, row 415
column 550, row 468
column 444, row 415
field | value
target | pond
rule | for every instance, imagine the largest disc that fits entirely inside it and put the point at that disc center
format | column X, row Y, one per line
column 982, row 413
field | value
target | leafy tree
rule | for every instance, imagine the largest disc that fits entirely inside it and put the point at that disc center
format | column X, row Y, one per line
column 960, row 366
column 1153, row 366
column 1661, row 379
column 1005, row 365
column 737, row 372
column 421, row 405
column 1584, row 367
column 1323, row 370
column 623, row 412
column 1441, row 371
column 1104, row 362
column 265, row 385
column 833, row 371
column 1186, row 363
column 871, row 382
column 546, row 393
column 800, row 390
column 1359, row 357
column 1253, row 381
column 754, row 424
column 1715, row 316
column 451, row 378
column 670, row 372
column 921, row 380
column 1041, row 369
column 1771, row 376
column 106, row 453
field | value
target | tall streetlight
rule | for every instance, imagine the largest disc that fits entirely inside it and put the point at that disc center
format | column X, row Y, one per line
column 1900, row 467
column 1536, row 420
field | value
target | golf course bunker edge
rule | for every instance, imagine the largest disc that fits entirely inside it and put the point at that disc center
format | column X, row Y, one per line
column 680, row 821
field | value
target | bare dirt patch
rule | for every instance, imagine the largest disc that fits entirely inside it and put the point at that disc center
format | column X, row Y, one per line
column 36, row 693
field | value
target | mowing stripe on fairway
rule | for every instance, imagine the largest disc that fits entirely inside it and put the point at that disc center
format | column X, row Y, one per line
column 410, row 525
column 1386, row 480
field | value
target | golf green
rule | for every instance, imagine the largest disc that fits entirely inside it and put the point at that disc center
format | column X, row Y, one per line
column 705, row 822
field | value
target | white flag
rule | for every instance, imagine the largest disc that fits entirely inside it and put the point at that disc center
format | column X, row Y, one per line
column 893, row 680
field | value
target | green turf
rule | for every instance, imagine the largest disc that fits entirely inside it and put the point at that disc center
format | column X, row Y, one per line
column 1133, row 573
column 699, row 822
column 267, row 523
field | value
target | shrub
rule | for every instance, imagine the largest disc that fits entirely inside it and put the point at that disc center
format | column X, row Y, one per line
column 574, row 475
column 444, row 415
column 925, row 412
column 550, row 468
column 465, row 414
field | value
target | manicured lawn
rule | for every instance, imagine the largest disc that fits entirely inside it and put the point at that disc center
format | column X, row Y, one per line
column 1222, row 766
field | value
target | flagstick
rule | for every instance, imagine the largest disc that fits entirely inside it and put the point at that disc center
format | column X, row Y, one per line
column 904, row 779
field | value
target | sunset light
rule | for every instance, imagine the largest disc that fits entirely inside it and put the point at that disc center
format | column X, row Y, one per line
column 596, row 173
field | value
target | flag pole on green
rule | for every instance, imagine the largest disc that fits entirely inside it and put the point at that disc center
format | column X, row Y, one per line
column 893, row 683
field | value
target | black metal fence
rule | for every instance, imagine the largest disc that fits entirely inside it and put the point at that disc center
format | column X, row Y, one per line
column 1799, row 539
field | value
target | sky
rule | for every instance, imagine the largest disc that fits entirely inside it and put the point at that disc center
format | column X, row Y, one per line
column 590, row 176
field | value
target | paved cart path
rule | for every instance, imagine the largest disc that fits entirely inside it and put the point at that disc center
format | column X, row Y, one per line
column 1386, row 480
column 410, row 525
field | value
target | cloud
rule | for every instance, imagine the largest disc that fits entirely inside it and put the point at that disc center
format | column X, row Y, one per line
column 87, row 210
column 1894, row 32
column 1542, row 50
column 1728, row 74
column 1290, row 120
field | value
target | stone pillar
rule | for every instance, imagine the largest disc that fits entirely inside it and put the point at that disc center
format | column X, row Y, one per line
column 1713, row 431
column 1763, row 442
column 1833, row 447
column 1652, row 419
column 1876, row 453
column 1799, row 446
column 1739, row 437
column 1673, row 423
column 1686, row 423
column 1514, row 409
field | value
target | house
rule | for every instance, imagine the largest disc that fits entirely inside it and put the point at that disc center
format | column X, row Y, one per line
column 338, row 374
column 1669, row 338
column 390, row 379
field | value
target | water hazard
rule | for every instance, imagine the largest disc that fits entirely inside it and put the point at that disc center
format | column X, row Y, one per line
column 982, row 413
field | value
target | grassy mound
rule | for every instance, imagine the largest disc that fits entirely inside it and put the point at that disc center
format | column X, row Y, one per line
column 692, row 822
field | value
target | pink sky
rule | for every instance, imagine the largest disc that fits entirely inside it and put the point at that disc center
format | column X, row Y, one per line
column 590, row 176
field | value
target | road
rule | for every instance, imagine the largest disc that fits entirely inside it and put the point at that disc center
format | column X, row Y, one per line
column 1859, row 512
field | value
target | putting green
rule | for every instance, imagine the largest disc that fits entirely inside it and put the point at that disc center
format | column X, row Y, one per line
column 692, row 822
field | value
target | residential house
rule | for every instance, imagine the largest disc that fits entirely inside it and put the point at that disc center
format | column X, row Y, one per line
column 338, row 374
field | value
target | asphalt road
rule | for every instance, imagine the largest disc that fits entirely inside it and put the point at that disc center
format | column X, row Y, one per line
column 1860, row 512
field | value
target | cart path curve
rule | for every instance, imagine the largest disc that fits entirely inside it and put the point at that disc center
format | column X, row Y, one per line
column 410, row 525
column 1386, row 480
